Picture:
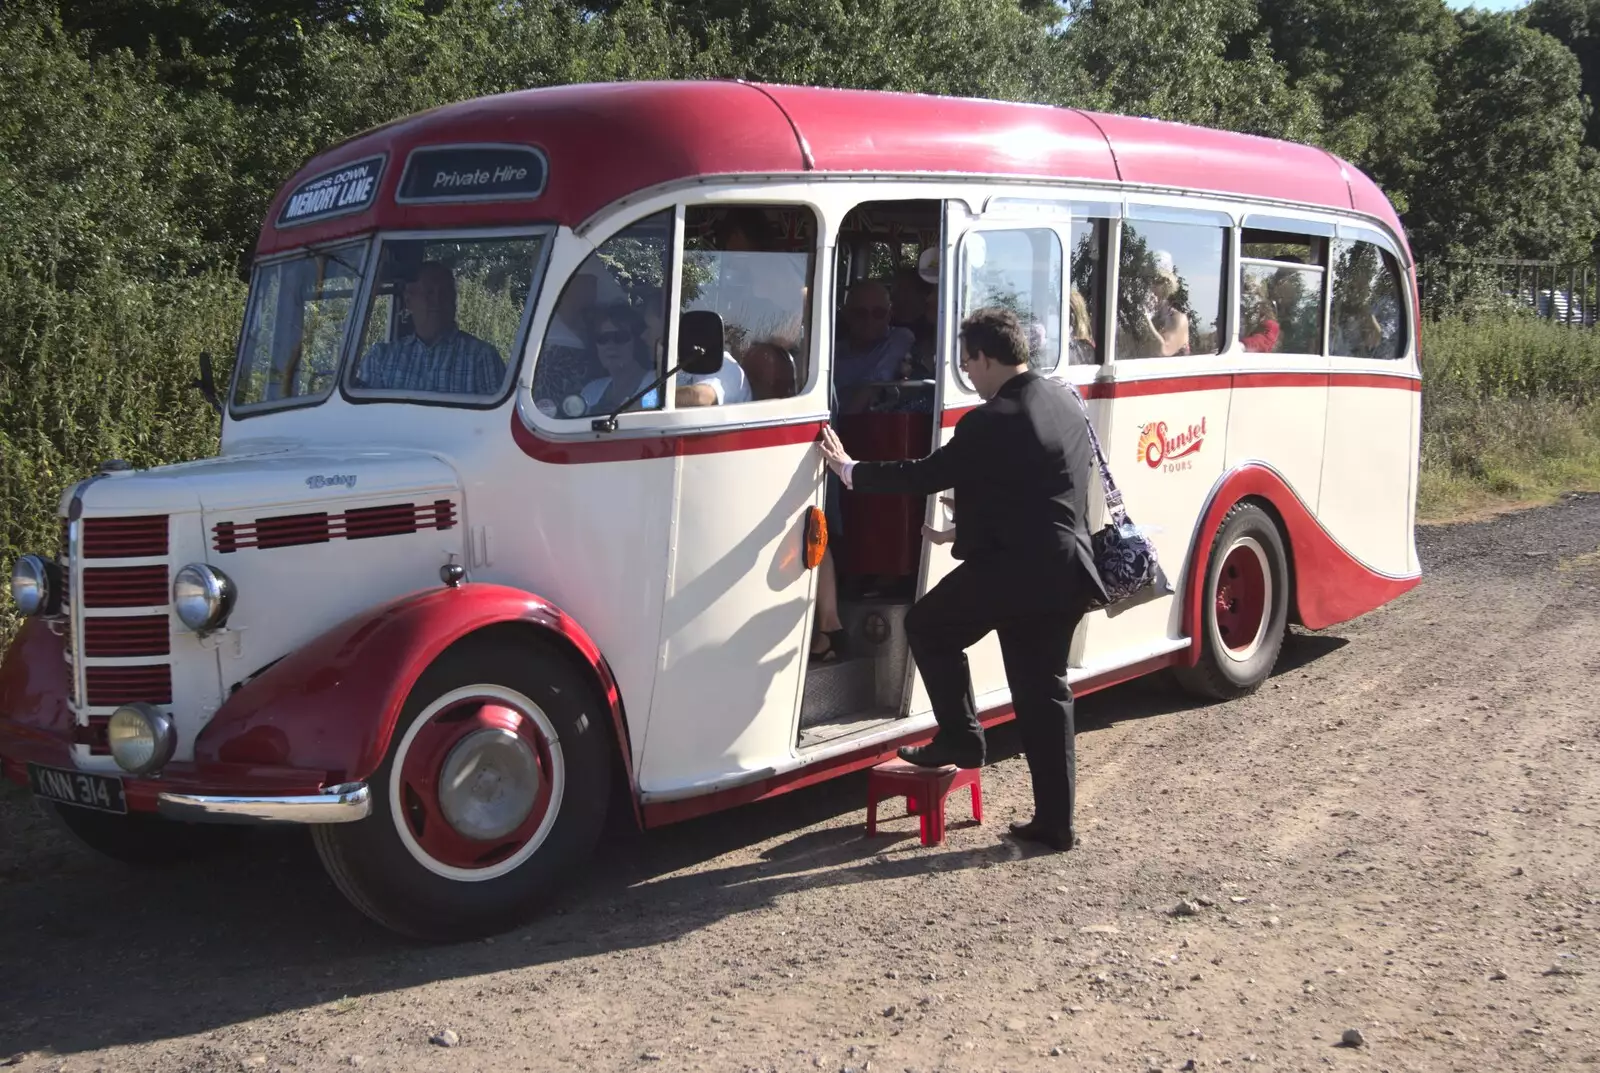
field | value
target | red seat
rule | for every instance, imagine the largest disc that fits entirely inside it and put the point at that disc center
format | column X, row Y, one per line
column 925, row 790
column 883, row 533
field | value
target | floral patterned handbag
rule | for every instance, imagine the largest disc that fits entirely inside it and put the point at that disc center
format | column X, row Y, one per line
column 1124, row 556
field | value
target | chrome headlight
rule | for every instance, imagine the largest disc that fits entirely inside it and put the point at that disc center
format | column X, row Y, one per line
column 142, row 738
column 202, row 596
column 35, row 585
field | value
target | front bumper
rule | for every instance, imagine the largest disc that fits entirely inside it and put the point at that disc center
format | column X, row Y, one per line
column 344, row 803
column 37, row 727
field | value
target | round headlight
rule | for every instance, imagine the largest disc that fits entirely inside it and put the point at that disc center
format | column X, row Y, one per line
column 33, row 585
column 202, row 596
column 141, row 737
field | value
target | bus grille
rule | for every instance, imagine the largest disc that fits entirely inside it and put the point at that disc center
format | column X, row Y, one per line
column 360, row 523
column 125, row 538
column 120, row 638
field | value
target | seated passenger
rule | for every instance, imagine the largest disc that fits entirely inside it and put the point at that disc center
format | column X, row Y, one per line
column 1258, row 326
column 727, row 385
column 870, row 350
column 1081, row 348
column 620, row 347
column 914, row 306
column 1168, row 322
column 437, row 356
column 621, row 333
column 771, row 370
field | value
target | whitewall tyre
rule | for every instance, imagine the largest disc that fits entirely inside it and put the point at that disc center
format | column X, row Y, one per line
column 492, row 794
column 1244, row 606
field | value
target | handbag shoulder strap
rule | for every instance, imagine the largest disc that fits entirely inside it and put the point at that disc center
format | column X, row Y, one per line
column 1114, row 506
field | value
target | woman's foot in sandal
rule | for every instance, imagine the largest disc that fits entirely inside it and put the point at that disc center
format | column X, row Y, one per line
column 835, row 649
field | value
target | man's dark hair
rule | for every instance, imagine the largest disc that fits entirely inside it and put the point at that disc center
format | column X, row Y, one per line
column 995, row 332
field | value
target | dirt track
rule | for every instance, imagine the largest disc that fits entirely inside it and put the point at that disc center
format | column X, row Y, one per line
column 1397, row 834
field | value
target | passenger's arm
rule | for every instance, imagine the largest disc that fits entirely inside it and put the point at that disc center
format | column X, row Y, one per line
column 701, row 394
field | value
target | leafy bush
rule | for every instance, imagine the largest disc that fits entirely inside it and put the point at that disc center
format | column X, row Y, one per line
column 1510, row 411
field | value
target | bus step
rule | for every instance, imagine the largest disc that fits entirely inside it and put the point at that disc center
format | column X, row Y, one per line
column 835, row 691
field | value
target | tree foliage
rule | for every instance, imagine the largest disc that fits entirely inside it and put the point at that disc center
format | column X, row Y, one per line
column 141, row 140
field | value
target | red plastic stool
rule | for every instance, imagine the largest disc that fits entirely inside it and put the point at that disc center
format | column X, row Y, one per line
column 925, row 790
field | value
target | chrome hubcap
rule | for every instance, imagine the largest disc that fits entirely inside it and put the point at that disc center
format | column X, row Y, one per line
column 489, row 784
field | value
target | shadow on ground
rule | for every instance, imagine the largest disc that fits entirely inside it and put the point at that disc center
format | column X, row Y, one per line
column 93, row 954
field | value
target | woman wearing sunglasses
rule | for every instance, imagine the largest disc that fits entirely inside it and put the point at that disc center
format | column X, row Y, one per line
column 618, row 334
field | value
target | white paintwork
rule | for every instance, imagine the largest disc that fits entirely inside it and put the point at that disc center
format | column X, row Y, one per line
column 1369, row 471
column 685, row 570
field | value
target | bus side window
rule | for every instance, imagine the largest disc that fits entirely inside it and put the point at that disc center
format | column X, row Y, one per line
column 1086, row 339
column 1280, row 291
column 606, row 340
column 1170, row 289
column 1368, row 313
column 752, row 265
column 1021, row 270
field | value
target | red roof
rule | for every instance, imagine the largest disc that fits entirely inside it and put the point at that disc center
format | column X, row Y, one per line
column 630, row 136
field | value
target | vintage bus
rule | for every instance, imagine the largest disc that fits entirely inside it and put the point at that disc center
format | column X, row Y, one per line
column 518, row 516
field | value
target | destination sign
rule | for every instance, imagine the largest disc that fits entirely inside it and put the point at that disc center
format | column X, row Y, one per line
column 346, row 189
column 473, row 173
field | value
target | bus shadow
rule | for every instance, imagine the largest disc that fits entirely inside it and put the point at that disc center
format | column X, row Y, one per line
column 95, row 955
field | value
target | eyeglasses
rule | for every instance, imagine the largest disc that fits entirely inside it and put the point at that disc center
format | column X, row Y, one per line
column 615, row 338
column 874, row 312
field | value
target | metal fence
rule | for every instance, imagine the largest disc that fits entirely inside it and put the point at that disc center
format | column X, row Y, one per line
column 1560, row 291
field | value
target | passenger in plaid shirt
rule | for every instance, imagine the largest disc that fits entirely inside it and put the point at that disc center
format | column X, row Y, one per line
column 437, row 357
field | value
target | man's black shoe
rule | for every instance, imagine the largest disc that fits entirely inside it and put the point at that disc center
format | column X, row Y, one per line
column 935, row 754
column 1054, row 837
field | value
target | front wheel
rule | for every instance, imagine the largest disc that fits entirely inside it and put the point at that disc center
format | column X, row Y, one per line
column 493, row 792
column 1244, row 607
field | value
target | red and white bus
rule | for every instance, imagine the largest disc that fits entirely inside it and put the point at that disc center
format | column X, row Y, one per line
column 475, row 560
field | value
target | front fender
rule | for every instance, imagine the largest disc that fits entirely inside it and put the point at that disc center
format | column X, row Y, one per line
column 332, row 704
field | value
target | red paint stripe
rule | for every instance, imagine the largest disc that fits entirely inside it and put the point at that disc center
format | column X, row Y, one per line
column 1178, row 385
column 1249, row 380
column 667, row 445
column 1330, row 586
column 1377, row 380
column 1167, row 385
column 665, row 812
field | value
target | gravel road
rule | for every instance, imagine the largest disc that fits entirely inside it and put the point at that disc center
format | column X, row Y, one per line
column 1396, row 835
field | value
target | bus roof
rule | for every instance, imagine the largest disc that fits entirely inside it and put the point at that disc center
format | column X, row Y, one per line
column 604, row 141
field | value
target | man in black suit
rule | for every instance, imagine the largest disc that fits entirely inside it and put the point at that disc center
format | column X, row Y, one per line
column 1019, row 465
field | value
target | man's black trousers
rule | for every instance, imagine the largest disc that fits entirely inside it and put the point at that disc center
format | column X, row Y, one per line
column 1034, row 610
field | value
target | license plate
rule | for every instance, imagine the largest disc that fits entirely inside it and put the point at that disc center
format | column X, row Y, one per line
column 100, row 792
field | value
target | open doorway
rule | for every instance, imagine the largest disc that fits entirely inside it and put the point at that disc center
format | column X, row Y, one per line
column 883, row 404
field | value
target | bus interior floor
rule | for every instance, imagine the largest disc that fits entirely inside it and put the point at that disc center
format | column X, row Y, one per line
column 821, row 733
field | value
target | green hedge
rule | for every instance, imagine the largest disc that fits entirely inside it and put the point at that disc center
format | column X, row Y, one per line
column 1510, row 412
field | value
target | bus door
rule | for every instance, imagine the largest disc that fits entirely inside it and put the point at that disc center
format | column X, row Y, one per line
column 1014, row 253
column 739, row 591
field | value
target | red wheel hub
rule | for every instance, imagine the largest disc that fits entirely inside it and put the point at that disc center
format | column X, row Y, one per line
column 1241, row 601
column 475, row 784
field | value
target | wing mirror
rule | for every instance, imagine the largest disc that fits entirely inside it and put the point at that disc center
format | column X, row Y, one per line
column 699, row 354
column 207, row 383
column 700, row 342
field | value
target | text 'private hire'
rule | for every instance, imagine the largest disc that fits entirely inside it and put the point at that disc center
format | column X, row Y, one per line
column 507, row 173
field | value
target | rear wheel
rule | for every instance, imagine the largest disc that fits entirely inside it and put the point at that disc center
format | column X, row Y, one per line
column 493, row 792
column 1244, row 607
column 137, row 838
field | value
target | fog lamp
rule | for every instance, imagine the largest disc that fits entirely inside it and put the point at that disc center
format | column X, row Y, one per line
column 142, row 738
